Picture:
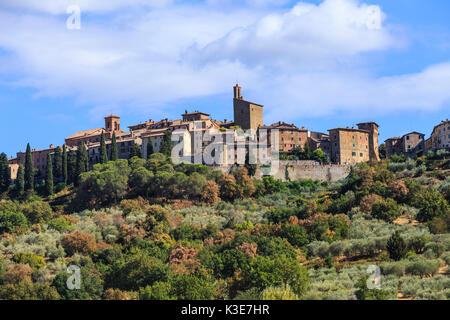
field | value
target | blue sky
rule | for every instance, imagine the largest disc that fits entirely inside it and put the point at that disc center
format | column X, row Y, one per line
column 318, row 64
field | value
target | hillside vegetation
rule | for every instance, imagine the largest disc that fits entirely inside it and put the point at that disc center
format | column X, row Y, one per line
column 148, row 229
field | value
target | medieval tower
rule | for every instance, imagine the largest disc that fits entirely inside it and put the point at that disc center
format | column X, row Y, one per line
column 372, row 128
column 247, row 115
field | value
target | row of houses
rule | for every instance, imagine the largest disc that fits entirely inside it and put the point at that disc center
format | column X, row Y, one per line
column 414, row 143
column 345, row 146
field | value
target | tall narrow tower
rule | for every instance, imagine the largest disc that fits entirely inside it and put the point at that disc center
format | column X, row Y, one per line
column 112, row 123
column 247, row 115
column 372, row 128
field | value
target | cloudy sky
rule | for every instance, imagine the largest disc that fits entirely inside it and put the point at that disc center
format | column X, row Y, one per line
column 318, row 64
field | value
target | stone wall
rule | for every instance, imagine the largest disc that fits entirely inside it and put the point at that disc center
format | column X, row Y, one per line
column 328, row 173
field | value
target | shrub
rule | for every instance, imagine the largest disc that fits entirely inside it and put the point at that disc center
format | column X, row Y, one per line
column 432, row 204
column 438, row 225
column 283, row 292
column 387, row 210
column 210, row 193
column 394, row 268
column 34, row 261
column 368, row 201
column 60, row 224
column 396, row 246
column 78, row 242
column 417, row 244
column 12, row 221
column 422, row 267
column 16, row 273
column 37, row 211
column 296, row 235
column 267, row 272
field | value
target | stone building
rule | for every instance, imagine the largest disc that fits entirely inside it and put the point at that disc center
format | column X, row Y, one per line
column 112, row 125
column 14, row 168
column 247, row 115
column 39, row 159
column 349, row 146
column 410, row 144
column 440, row 137
column 319, row 140
column 372, row 128
column 290, row 136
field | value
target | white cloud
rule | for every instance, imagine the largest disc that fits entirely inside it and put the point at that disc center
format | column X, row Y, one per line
column 305, row 61
column 98, row 6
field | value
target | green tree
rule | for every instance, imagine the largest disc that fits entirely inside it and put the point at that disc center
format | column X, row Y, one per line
column 49, row 176
column 5, row 173
column 386, row 210
column 396, row 246
column 58, row 157
column 382, row 151
column 251, row 168
column 319, row 155
column 432, row 204
column 71, row 166
column 306, row 152
column 20, row 181
column 91, row 285
column 166, row 144
column 105, row 184
column 103, row 153
column 149, row 148
column 114, row 149
column 29, row 170
column 135, row 151
column 364, row 293
column 272, row 272
column 11, row 221
column 82, row 160
column 65, row 171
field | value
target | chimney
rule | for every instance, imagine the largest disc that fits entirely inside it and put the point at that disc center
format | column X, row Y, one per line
column 52, row 146
column 237, row 92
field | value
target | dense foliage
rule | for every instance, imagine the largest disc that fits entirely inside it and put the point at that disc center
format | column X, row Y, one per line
column 149, row 229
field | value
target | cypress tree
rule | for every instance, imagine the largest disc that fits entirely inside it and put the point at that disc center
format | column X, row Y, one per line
column 306, row 154
column 29, row 170
column 135, row 151
column 71, row 166
column 58, row 164
column 166, row 144
column 49, row 176
column 103, row 154
column 114, row 150
column 82, row 161
column 20, row 181
column 149, row 148
column 396, row 246
column 5, row 173
column 65, row 172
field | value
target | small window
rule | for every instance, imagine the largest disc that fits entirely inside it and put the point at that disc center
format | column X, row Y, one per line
column 354, row 154
column 407, row 137
column 360, row 154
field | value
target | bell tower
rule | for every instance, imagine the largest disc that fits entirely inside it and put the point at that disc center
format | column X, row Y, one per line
column 112, row 123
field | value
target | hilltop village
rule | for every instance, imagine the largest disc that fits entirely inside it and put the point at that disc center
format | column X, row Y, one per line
column 341, row 146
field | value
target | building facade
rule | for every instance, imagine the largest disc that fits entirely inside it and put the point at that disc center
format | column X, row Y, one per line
column 440, row 137
column 349, row 146
column 410, row 144
column 247, row 115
